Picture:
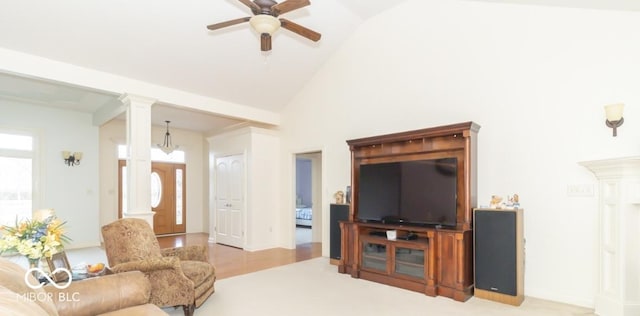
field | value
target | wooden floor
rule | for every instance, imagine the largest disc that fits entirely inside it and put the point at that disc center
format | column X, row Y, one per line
column 230, row 261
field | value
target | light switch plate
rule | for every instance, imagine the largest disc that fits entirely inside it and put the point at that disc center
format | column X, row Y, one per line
column 580, row 190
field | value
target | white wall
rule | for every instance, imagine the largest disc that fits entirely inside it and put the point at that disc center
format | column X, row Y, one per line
column 71, row 191
column 193, row 144
column 535, row 78
column 264, row 178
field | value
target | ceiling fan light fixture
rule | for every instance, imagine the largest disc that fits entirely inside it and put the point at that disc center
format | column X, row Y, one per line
column 264, row 23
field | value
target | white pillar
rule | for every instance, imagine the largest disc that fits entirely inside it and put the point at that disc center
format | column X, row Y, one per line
column 138, row 157
column 619, row 236
column 212, row 193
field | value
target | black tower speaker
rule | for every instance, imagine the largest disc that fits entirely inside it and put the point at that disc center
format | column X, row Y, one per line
column 498, row 255
column 337, row 213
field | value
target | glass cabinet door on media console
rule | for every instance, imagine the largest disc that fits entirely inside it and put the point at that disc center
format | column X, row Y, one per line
column 403, row 259
column 410, row 262
column 374, row 256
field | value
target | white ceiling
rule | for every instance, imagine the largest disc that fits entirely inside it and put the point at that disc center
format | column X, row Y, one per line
column 166, row 43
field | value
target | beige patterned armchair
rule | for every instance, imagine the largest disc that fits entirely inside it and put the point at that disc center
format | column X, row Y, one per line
column 178, row 276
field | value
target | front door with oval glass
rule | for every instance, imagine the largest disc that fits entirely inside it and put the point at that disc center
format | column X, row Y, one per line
column 168, row 196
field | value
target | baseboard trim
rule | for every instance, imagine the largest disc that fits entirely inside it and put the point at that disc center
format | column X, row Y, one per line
column 499, row 297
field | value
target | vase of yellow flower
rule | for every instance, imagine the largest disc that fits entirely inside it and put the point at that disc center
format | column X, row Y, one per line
column 34, row 263
column 36, row 238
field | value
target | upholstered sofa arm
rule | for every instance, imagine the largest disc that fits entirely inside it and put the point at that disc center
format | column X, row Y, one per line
column 148, row 265
column 194, row 253
column 100, row 295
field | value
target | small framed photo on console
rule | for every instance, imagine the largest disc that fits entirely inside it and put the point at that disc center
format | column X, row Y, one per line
column 59, row 260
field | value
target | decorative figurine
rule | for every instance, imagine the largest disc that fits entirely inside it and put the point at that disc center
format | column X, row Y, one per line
column 339, row 196
column 495, row 201
column 515, row 201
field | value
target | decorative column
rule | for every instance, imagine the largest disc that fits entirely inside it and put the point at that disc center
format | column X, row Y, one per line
column 618, row 289
column 212, row 192
column 138, row 157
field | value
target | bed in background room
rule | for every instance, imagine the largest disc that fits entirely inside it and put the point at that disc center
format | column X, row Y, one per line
column 303, row 216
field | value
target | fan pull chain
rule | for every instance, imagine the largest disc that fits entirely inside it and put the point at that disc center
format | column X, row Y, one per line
column 265, row 58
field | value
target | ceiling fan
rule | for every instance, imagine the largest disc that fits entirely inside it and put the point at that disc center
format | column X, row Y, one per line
column 265, row 20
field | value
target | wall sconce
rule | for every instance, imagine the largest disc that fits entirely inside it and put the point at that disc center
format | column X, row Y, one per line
column 614, row 116
column 71, row 159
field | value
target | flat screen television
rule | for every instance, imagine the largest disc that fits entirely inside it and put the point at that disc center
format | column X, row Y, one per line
column 419, row 192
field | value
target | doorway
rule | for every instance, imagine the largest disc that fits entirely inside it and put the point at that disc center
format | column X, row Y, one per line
column 308, row 198
column 168, row 196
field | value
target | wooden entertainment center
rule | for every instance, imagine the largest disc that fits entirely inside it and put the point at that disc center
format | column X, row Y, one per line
column 430, row 259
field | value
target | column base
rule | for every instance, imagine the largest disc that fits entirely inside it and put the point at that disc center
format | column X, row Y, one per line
column 147, row 216
column 606, row 305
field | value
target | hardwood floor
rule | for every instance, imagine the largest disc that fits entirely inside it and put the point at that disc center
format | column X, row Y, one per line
column 230, row 261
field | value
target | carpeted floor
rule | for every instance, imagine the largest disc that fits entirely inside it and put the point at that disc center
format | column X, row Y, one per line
column 314, row 287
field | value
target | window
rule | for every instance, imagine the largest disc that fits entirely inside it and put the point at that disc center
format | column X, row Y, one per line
column 16, row 177
column 179, row 197
column 156, row 189
column 156, row 155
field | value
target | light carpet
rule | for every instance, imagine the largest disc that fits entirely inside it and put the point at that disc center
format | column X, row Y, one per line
column 314, row 287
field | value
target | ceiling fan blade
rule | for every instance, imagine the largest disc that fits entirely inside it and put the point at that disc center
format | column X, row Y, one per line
column 227, row 23
column 300, row 30
column 265, row 42
column 289, row 5
column 254, row 7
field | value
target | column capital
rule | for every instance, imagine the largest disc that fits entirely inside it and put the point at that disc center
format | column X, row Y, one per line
column 128, row 99
column 625, row 167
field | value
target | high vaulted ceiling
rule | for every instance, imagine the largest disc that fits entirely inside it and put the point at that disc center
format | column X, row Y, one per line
column 166, row 43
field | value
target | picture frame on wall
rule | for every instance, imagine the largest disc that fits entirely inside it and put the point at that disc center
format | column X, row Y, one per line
column 59, row 260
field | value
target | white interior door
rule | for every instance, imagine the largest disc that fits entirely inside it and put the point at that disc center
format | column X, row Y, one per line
column 230, row 200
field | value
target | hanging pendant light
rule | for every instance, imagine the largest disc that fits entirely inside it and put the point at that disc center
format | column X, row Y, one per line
column 167, row 147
